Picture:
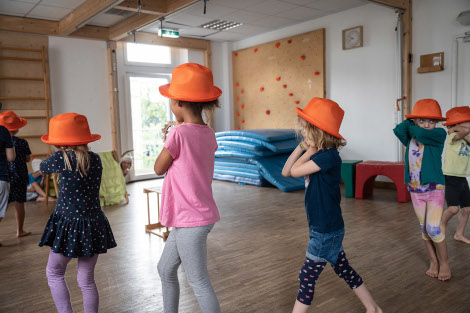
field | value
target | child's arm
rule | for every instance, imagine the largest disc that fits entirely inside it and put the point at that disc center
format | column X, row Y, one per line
column 28, row 158
column 11, row 154
column 163, row 162
column 295, row 155
column 304, row 166
column 433, row 137
column 462, row 132
column 53, row 164
column 401, row 131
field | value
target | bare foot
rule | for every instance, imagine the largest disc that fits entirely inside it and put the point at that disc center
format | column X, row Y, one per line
column 462, row 239
column 23, row 234
column 374, row 310
column 433, row 270
column 444, row 272
column 52, row 199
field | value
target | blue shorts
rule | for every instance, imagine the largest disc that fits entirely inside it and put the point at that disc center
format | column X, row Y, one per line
column 325, row 247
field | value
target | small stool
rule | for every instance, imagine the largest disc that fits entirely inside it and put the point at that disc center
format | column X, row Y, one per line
column 366, row 172
column 150, row 227
column 348, row 174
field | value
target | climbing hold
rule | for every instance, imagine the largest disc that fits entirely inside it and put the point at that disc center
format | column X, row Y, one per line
column 256, row 50
column 242, row 91
column 297, row 101
column 242, row 106
column 284, row 86
column 261, row 89
column 236, row 85
column 278, row 78
column 238, row 114
column 236, row 54
column 267, row 112
column 291, row 94
column 238, row 128
column 242, row 121
column 238, row 99
column 316, row 73
column 278, row 45
column 302, row 57
column 289, row 41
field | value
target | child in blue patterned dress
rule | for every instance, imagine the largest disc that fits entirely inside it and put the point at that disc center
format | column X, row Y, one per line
column 78, row 227
column 18, row 169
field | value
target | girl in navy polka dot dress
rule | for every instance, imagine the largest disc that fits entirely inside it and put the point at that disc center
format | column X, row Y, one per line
column 78, row 227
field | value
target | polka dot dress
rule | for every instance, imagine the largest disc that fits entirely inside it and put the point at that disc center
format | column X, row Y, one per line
column 18, row 171
column 78, row 226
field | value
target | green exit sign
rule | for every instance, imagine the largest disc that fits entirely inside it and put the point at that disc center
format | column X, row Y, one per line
column 170, row 33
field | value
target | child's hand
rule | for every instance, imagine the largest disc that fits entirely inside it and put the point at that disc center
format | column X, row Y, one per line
column 166, row 129
column 457, row 129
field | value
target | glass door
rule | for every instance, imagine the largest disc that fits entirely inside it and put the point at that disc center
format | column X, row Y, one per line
column 149, row 112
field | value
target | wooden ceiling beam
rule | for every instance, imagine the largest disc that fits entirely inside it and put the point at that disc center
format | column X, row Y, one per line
column 136, row 21
column 75, row 19
column 28, row 25
column 181, row 42
column 156, row 7
column 91, row 32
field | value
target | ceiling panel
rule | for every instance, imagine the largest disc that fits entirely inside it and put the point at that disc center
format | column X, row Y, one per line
column 226, row 36
column 302, row 13
column 214, row 11
column 237, row 4
column 191, row 20
column 15, row 7
column 335, row 5
column 68, row 4
column 48, row 12
column 271, row 7
column 106, row 20
column 273, row 22
column 243, row 16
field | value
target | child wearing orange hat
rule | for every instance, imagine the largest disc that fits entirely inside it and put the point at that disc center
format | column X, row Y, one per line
column 18, row 169
column 457, row 169
column 317, row 159
column 7, row 154
column 78, row 227
column 423, row 174
column 187, row 203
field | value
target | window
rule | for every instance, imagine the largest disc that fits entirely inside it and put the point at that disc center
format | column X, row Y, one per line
column 141, row 53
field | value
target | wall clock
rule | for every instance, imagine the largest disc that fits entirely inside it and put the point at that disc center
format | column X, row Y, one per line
column 352, row 38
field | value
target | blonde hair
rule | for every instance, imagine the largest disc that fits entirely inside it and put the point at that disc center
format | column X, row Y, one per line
column 317, row 137
column 83, row 158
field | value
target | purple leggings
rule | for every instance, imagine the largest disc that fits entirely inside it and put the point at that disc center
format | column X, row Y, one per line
column 55, row 271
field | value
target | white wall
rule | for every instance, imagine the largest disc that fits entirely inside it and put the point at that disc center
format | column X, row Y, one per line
column 79, row 84
column 434, row 27
column 362, row 81
column 222, row 71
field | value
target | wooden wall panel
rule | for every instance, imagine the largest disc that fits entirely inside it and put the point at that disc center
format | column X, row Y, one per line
column 271, row 79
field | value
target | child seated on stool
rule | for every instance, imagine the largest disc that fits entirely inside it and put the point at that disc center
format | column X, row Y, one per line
column 35, row 191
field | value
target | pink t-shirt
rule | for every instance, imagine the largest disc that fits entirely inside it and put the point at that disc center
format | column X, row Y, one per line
column 187, row 199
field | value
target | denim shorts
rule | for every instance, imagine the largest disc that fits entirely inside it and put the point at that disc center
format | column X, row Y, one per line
column 325, row 247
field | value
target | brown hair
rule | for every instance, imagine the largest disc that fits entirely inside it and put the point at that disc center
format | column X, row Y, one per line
column 83, row 158
column 317, row 137
column 198, row 107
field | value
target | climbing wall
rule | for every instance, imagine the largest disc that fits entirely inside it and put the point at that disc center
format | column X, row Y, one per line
column 271, row 79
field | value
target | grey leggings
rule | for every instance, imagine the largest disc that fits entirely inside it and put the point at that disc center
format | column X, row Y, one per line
column 187, row 245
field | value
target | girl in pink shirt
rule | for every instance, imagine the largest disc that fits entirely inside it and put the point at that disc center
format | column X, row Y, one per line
column 187, row 202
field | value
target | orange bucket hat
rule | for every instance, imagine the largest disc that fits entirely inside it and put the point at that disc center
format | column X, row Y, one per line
column 191, row 82
column 12, row 121
column 69, row 129
column 427, row 108
column 324, row 114
column 457, row 115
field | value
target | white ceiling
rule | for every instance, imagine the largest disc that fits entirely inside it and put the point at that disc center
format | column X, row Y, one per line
column 257, row 16
column 43, row 9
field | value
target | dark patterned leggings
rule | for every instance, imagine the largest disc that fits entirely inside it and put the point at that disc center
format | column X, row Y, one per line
column 311, row 270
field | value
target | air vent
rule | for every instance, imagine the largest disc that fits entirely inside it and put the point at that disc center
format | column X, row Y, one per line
column 221, row 25
column 119, row 12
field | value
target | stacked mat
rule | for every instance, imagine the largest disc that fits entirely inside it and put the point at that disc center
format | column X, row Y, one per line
column 256, row 157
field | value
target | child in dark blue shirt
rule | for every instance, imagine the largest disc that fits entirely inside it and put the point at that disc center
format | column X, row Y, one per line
column 317, row 158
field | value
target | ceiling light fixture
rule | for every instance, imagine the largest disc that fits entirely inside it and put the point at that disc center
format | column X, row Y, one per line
column 221, row 25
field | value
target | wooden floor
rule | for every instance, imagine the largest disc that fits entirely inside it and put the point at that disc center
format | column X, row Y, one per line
column 255, row 253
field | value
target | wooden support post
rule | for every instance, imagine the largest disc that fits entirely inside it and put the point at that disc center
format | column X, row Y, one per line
column 114, row 98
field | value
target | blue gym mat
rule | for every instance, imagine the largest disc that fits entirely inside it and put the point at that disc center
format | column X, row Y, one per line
column 242, row 180
column 268, row 135
column 282, row 146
